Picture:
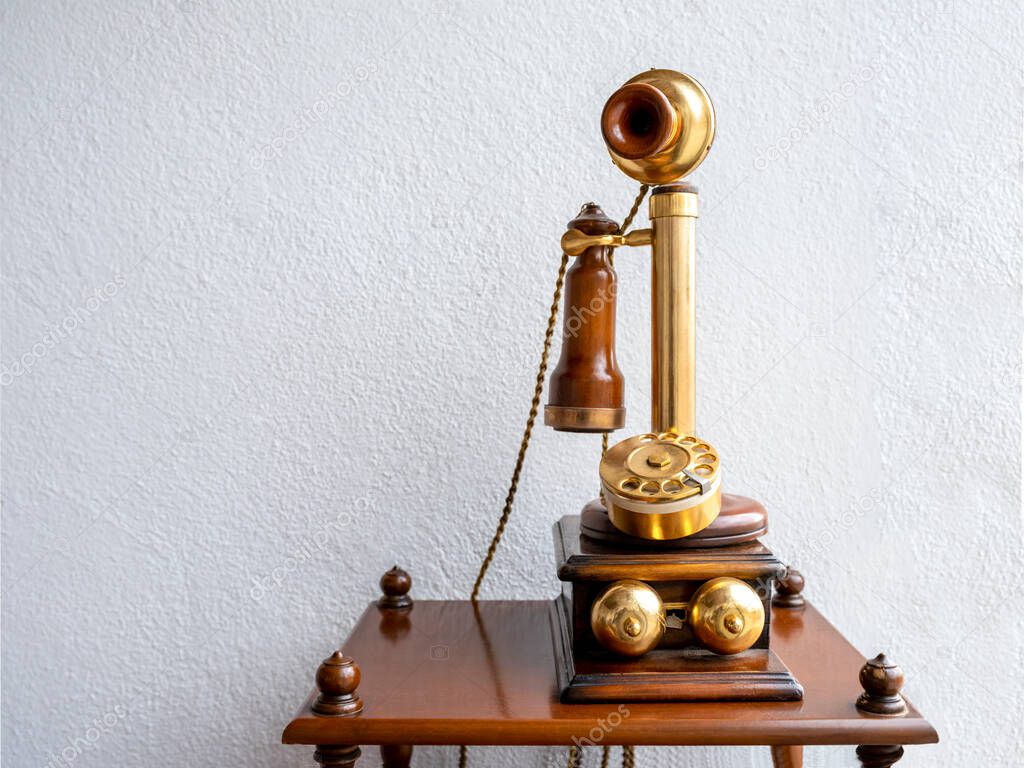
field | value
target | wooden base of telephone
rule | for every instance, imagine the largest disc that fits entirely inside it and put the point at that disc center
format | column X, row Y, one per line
column 591, row 554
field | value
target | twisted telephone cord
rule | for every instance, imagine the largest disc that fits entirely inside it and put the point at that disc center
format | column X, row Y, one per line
column 575, row 754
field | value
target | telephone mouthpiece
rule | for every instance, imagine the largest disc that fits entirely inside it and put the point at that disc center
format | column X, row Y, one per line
column 639, row 121
column 658, row 126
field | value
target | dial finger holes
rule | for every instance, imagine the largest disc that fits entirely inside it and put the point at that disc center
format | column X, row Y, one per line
column 650, row 488
column 630, row 484
column 707, row 458
column 701, row 447
column 672, row 486
column 704, row 470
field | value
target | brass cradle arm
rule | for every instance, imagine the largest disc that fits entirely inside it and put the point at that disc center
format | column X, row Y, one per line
column 575, row 242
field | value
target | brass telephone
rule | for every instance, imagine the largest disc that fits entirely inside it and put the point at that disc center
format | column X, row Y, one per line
column 665, row 484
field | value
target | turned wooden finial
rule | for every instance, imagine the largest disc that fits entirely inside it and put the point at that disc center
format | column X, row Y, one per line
column 395, row 584
column 788, row 588
column 336, row 755
column 396, row 755
column 337, row 679
column 881, row 681
column 879, row 755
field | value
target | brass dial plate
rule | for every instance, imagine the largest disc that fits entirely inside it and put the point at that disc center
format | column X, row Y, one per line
column 660, row 468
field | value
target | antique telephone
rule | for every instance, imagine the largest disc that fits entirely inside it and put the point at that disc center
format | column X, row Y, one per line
column 663, row 575
column 666, row 590
column 666, row 484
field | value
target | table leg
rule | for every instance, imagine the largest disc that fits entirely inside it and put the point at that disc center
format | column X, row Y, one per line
column 879, row 756
column 336, row 756
column 396, row 755
column 788, row 756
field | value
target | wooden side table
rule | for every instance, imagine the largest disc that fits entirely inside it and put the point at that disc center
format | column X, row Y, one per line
column 454, row 672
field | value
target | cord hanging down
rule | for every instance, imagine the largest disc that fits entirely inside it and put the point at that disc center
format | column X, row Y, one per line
column 535, row 403
column 575, row 754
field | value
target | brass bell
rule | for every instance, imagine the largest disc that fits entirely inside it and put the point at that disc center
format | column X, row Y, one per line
column 725, row 615
column 628, row 618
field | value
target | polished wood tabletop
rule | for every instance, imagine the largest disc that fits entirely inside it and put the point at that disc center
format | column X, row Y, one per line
column 446, row 672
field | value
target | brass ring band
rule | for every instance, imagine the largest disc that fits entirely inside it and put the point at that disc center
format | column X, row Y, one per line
column 662, row 526
column 673, row 204
column 570, row 419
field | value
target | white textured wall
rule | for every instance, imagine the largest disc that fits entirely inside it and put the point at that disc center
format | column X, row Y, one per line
column 275, row 278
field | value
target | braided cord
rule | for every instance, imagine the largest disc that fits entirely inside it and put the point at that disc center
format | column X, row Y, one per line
column 527, row 432
column 626, row 222
column 538, row 389
column 575, row 753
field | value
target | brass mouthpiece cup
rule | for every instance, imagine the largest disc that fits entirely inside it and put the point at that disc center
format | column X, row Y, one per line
column 638, row 121
column 658, row 126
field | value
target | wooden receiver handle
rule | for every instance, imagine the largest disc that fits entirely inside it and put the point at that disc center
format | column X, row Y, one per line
column 586, row 388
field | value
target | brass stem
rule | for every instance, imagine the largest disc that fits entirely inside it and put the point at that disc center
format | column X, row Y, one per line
column 673, row 310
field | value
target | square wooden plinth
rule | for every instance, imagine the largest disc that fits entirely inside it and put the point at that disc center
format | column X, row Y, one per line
column 678, row 670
